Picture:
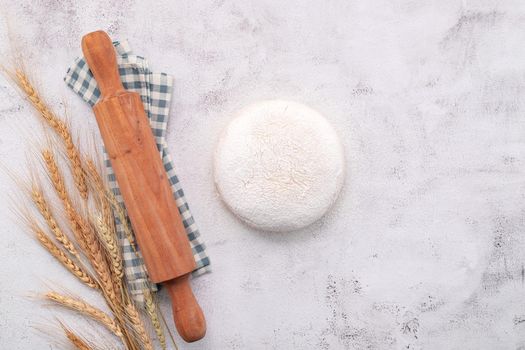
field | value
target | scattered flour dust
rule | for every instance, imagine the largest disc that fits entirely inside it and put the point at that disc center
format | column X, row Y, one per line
column 279, row 165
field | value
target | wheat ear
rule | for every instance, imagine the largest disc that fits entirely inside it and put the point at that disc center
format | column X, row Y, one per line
column 152, row 311
column 87, row 310
column 59, row 126
column 105, row 223
column 58, row 183
column 75, row 339
column 123, row 219
column 112, row 199
column 45, row 210
column 98, row 261
column 107, row 234
column 83, row 231
column 138, row 326
column 59, row 254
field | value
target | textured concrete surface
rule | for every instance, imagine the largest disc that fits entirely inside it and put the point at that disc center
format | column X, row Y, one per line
column 424, row 249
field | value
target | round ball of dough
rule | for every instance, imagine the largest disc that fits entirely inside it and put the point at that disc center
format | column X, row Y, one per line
column 279, row 165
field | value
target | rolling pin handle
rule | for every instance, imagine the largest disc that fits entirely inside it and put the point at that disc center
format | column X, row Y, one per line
column 188, row 315
column 102, row 61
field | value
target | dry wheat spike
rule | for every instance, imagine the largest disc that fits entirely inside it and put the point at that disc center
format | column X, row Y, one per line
column 45, row 210
column 87, row 310
column 69, row 264
column 59, row 126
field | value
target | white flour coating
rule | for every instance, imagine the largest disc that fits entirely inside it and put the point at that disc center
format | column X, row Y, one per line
column 279, row 165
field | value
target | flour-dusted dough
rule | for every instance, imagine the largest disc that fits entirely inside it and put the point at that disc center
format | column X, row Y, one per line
column 279, row 165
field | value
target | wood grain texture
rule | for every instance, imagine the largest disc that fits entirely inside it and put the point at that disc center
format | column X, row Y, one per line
column 144, row 185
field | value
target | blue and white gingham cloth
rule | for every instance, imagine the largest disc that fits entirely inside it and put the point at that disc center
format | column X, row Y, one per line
column 155, row 90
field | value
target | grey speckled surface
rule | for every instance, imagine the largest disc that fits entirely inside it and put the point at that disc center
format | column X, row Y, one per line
column 426, row 246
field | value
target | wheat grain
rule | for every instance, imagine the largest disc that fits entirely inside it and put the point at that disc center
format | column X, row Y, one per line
column 76, row 340
column 94, row 175
column 138, row 326
column 82, row 230
column 107, row 234
column 86, row 236
column 125, row 225
column 58, row 183
column 152, row 311
column 59, row 126
column 59, row 254
column 87, row 310
column 45, row 210
column 98, row 261
column 105, row 221
column 112, row 199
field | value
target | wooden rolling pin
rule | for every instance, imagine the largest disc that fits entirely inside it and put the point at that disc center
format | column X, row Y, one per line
column 144, row 184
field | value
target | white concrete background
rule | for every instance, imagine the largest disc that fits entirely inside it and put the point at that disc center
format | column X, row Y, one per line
column 424, row 249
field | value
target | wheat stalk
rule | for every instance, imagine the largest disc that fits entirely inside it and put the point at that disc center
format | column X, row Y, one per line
column 59, row 126
column 45, row 210
column 58, row 254
column 87, row 310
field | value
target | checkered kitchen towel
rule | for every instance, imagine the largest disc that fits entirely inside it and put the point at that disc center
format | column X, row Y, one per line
column 155, row 91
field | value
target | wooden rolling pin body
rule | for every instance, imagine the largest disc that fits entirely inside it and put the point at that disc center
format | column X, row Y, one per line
column 144, row 185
